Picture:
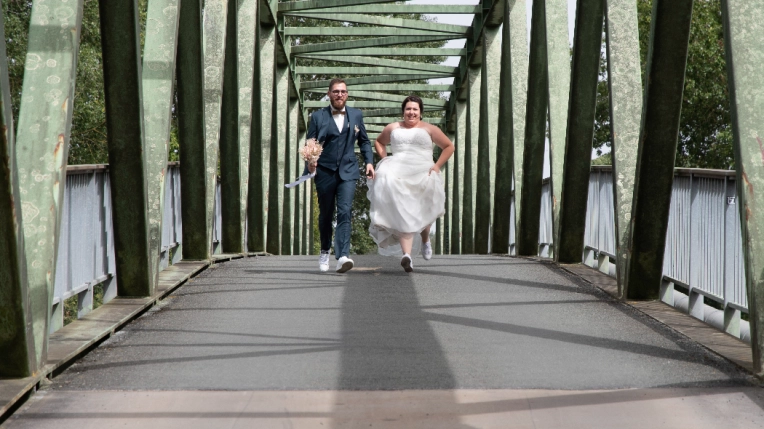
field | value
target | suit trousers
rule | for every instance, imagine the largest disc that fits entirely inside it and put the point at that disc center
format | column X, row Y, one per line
column 334, row 191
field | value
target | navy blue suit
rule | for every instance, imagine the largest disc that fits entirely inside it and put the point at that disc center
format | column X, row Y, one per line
column 337, row 172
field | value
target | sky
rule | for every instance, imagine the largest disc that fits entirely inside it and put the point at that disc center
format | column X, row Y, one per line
column 467, row 20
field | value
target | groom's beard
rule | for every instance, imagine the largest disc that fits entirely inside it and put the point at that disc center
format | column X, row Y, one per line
column 338, row 103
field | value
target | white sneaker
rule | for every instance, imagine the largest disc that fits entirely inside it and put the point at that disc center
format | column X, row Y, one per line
column 344, row 264
column 406, row 263
column 427, row 251
column 323, row 262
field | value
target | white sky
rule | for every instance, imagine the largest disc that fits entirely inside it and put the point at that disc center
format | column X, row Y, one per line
column 467, row 20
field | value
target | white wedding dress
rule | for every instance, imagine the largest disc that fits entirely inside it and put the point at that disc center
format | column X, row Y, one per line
column 404, row 198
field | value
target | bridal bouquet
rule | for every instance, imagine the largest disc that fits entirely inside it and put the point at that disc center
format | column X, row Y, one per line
column 310, row 153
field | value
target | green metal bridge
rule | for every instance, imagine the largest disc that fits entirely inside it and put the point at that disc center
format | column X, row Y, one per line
column 243, row 79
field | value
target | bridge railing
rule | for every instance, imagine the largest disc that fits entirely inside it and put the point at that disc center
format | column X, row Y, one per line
column 703, row 271
column 86, row 248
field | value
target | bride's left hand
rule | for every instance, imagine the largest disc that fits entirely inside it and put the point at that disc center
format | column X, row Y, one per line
column 434, row 168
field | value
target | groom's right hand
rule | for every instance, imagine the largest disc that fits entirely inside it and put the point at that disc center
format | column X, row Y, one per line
column 312, row 167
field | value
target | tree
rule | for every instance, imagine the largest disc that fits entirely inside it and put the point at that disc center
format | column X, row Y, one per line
column 705, row 134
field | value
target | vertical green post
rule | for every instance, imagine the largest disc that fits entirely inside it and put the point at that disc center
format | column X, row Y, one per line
column 257, row 177
column 247, row 19
column 626, row 96
column 123, row 92
column 520, row 62
column 290, row 135
column 744, row 37
column 470, row 165
column 191, row 130
column 458, row 175
column 296, row 194
column 482, row 189
column 42, row 146
column 569, row 241
column 535, row 133
column 215, row 15
column 666, row 63
column 16, row 343
column 158, row 78
column 230, row 151
column 504, row 144
column 446, row 223
column 267, row 69
column 277, row 159
column 558, row 75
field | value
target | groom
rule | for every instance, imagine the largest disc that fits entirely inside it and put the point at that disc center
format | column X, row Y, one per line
column 338, row 128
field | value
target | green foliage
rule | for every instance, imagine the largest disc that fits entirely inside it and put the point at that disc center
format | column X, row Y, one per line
column 606, row 159
column 87, row 143
column 705, row 134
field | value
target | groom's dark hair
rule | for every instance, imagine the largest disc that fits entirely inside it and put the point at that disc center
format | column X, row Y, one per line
column 416, row 100
column 335, row 81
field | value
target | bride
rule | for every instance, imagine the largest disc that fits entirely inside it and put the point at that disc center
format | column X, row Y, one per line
column 407, row 193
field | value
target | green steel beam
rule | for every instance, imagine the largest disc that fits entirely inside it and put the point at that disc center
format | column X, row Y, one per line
column 230, row 174
column 288, row 210
column 413, row 24
column 482, row 189
column 397, row 9
column 569, row 241
column 16, row 345
column 449, row 174
column 279, row 115
column 428, row 102
column 458, row 186
column 123, row 92
column 535, row 132
column 744, row 36
column 411, row 87
column 518, row 29
column 158, row 79
column 489, row 118
column 396, row 112
column 340, row 71
column 393, row 51
column 504, row 148
column 215, row 16
column 247, row 19
column 470, row 161
column 371, row 61
column 297, row 166
column 256, row 187
column 370, row 79
column 316, row 4
column 625, row 88
column 367, row 104
column 373, row 42
column 267, row 66
column 191, row 128
column 558, row 72
column 666, row 64
column 42, row 146
column 365, row 31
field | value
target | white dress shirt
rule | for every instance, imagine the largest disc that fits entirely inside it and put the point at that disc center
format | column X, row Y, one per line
column 339, row 119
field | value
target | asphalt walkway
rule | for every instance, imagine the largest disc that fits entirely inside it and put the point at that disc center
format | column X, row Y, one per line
column 463, row 342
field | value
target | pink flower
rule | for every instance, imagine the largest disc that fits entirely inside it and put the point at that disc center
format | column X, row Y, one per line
column 311, row 151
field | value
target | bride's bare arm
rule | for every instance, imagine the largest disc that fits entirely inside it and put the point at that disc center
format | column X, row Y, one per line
column 443, row 142
column 382, row 141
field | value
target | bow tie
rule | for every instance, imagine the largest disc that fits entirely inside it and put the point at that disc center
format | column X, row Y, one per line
column 337, row 112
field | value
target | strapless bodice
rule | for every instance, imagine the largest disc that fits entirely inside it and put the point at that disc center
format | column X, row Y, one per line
column 415, row 141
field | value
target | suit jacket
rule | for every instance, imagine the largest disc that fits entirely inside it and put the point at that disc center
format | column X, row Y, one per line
column 339, row 150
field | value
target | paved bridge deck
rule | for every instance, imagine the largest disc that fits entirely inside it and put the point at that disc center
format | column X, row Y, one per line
column 464, row 341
